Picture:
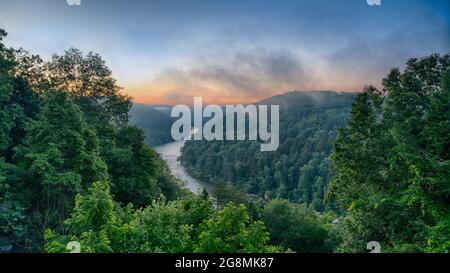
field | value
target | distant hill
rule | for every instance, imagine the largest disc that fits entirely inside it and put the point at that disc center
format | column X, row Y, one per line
column 154, row 120
column 311, row 98
column 298, row 170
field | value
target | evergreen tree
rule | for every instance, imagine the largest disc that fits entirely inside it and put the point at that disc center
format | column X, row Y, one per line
column 8, row 111
column 391, row 162
column 61, row 154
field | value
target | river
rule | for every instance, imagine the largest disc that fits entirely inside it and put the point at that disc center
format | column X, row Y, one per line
column 170, row 152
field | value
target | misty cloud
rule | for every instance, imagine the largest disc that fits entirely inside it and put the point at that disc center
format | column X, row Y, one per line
column 251, row 74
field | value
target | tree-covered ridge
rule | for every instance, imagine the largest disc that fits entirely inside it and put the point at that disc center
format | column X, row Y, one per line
column 392, row 161
column 298, row 170
column 154, row 120
column 389, row 168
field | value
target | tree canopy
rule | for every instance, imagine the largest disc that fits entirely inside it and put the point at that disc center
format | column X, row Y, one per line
column 392, row 161
column 73, row 171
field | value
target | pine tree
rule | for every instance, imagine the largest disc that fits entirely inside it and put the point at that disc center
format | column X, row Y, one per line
column 61, row 154
column 8, row 111
column 391, row 162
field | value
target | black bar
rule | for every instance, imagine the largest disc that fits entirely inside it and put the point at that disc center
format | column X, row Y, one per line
column 224, row 262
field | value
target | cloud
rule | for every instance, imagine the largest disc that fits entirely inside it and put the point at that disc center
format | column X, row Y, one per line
column 169, row 51
column 371, row 58
column 227, row 77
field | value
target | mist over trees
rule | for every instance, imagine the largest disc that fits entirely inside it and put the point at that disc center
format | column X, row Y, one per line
column 387, row 176
column 298, row 170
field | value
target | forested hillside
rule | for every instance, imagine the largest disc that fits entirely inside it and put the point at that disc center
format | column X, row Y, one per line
column 388, row 170
column 155, row 122
column 298, row 170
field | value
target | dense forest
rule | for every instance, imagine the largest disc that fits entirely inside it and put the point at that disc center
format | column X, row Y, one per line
column 392, row 161
column 388, row 172
column 64, row 127
column 299, row 170
column 73, row 169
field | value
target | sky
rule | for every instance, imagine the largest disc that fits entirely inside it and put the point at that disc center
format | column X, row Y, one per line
column 233, row 51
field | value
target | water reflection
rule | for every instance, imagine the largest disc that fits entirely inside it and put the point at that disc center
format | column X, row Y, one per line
column 170, row 152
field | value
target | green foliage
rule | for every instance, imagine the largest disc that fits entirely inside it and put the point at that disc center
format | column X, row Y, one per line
column 92, row 223
column 137, row 172
column 188, row 225
column 231, row 232
column 392, row 162
column 8, row 111
column 63, row 126
column 226, row 193
column 26, row 104
column 313, row 181
column 95, row 211
column 12, row 224
column 63, row 157
column 296, row 226
column 198, row 209
column 298, row 170
column 169, row 227
column 438, row 239
column 160, row 227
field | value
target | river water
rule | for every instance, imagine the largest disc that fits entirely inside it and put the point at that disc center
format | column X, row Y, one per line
column 170, row 152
